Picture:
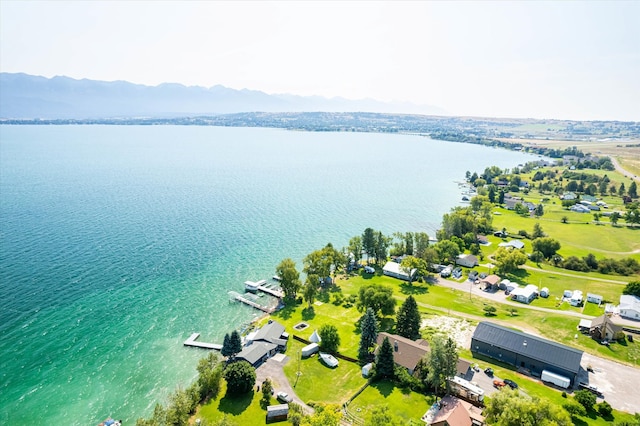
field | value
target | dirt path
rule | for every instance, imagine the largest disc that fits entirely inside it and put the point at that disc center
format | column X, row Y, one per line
column 566, row 274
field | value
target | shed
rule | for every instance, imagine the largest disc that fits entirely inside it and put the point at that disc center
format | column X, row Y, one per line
column 366, row 369
column 277, row 413
column 544, row 292
column 310, row 349
column 567, row 293
column 594, row 298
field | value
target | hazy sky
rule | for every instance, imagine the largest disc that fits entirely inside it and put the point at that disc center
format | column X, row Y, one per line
column 576, row 60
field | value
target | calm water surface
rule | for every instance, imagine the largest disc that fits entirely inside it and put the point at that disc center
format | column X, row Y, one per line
column 117, row 242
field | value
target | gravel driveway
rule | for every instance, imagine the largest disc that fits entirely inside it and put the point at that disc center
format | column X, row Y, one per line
column 272, row 369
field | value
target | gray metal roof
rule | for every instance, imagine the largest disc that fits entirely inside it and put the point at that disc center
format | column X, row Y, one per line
column 528, row 345
column 253, row 353
column 270, row 332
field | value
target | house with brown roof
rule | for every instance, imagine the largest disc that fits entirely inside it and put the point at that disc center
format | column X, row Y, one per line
column 456, row 412
column 490, row 282
column 603, row 328
column 407, row 353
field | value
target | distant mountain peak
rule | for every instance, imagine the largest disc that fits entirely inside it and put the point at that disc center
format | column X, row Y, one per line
column 28, row 96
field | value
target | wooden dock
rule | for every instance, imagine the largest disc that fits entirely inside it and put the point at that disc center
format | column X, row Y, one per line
column 241, row 298
column 191, row 341
column 277, row 293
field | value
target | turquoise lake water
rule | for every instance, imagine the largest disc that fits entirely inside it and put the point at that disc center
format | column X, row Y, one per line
column 118, row 242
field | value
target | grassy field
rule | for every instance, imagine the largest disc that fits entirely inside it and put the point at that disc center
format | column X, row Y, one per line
column 242, row 410
column 406, row 405
column 319, row 383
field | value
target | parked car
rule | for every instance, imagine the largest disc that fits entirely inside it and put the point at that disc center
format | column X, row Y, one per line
column 284, row 397
column 498, row 384
column 488, row 371
column 510, row 383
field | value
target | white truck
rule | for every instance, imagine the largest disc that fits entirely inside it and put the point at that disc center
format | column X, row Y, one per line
column 556, row 379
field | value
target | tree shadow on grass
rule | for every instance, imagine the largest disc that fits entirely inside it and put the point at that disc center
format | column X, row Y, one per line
column 288, row 310
column 578, row 421
column 414, row 288
column 308, row 313
column 385, row 387
column 236, row 404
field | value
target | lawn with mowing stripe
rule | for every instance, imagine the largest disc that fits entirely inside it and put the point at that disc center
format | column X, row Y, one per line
column 408, row 406
column 319, row 383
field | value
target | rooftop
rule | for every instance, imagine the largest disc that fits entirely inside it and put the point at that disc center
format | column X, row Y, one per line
column 531, row 346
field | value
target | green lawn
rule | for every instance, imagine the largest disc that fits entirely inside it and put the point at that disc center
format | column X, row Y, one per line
column 242, row 410
column 319, row 383
column 408, row 406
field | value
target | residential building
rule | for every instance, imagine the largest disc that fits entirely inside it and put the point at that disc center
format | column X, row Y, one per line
column 629, row 306
column 394, row 269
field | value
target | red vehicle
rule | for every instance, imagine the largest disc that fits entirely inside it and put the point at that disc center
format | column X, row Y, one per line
column 498, row 384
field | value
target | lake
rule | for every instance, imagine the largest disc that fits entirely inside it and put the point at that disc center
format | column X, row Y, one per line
column 118, row 242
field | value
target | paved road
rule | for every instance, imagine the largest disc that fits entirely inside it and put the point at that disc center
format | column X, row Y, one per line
column 619, row 168
column 499, row 296
column 273, row 370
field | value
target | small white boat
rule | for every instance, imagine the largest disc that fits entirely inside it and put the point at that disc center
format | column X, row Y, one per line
column 328, row 359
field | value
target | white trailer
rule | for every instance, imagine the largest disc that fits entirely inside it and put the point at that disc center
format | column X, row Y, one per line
column 310, row 349
column 556, row 379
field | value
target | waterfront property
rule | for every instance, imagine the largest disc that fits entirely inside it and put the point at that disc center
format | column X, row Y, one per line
column 526, row 352
column 468, row 260
column 264, row 343
column 393, row 269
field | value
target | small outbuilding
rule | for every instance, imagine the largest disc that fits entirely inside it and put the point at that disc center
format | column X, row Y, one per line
column 277, row 413
column 309, row 350
column 576, row 298
column 366, row 369
column 594, row 298
column 544, row 292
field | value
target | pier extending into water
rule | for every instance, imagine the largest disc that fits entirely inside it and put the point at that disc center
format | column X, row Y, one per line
column 191, row 341
column 246, row 301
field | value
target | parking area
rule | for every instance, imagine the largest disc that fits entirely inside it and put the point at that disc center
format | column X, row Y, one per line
column 617, row 382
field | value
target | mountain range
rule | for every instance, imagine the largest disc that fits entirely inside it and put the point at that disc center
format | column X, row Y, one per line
column 24, row 96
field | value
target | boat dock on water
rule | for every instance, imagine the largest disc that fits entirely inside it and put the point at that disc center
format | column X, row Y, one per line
column 240, row 298
column 262, row 286
column 191, row 341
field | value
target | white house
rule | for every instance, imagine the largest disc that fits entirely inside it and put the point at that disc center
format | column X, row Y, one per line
column 393, row 269
column 576, row 298
column 629, row 306
column 526, row 294
column 468, row 261
column 594, row 298
column 517, row 244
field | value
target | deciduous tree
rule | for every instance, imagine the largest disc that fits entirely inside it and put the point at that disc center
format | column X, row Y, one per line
column 240, row 377
column 289, row 278
column 546, row 245
column 632, row 288
column 377, row 297
column 330, row 339
column 509, row 408
column 442, row 361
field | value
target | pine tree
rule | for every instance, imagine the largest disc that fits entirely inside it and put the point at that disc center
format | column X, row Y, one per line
column 368, row 335
column 235, row 343
column 384, row 360
column 226, row 349
column 408, row 319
